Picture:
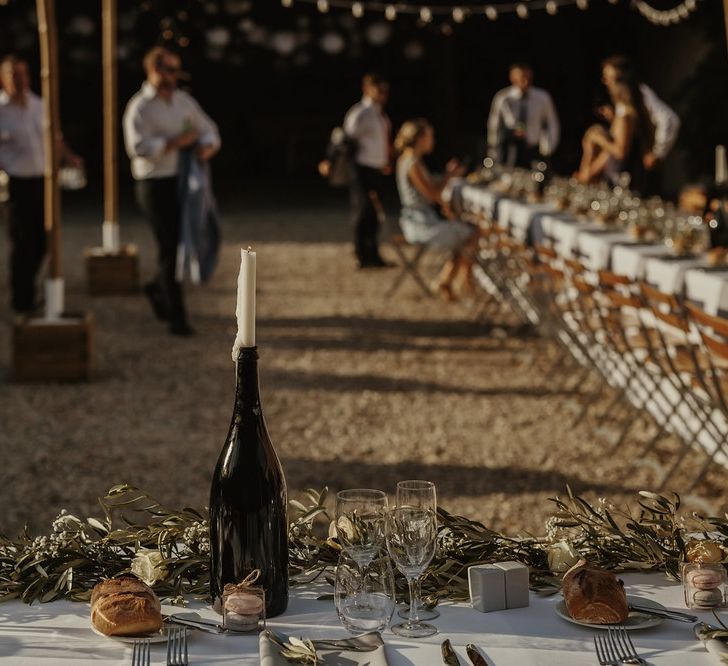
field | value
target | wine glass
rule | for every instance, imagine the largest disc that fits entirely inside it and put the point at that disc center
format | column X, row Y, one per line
column 423, row 495
column 360, row 518
column 411, row 539
column 364, row 602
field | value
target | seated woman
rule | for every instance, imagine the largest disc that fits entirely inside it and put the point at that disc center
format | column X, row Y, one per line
column 419, row 191
column 631, row 135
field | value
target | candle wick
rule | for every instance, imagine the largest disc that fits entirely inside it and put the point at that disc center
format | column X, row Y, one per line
column 250, row 249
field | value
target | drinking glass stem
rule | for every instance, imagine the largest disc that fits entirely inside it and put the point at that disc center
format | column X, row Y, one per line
column 415, row 607
column 413, row 587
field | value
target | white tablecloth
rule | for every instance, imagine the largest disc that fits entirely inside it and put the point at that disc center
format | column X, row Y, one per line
column 59, row 634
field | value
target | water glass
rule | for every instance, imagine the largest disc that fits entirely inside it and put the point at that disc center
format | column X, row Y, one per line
column 364, row 598
column 360, row 518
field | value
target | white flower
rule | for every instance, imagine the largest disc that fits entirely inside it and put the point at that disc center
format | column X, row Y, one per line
column 148, row 565
column 562, row 556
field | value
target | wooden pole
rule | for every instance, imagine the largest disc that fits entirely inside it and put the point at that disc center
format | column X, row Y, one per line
column 52, row 137
column 111, row 164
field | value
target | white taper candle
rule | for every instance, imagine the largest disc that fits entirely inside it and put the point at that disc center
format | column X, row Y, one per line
column 245, row 311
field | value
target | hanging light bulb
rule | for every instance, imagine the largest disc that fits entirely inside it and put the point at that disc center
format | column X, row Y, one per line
column 322, row 5
column 287, row 3
column 491, row 13
column 690, row 5
column 613, row 2
column 582, row 4
column 551, row 7
column 458, row 14
column 682, row 11
column 522, row 10
column 425, row 14
column 390, row 12
column 357, row 9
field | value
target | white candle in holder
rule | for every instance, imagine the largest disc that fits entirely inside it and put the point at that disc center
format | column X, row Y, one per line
column 245, row 311
column 721, row 165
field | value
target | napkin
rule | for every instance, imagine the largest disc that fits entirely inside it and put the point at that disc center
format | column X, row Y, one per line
column 270, row 654
column 717, row 649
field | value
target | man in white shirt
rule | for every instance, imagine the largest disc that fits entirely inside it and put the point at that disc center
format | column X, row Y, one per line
column 368, row 125
column 160, row 121
column 523, row 125
column 22, row 157
column 665, row 120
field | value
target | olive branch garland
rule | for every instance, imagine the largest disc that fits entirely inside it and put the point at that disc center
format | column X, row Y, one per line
column 76, row 554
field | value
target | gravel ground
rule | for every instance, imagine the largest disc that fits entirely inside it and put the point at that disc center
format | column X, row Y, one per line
column 357, row 390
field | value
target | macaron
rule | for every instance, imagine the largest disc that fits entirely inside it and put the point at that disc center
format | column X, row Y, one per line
column 244, row 604
column 708, row 598
column 705, row 579
column 241, row 622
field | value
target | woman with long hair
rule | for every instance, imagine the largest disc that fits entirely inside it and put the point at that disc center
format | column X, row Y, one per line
column 630, row 137
column 419, row 191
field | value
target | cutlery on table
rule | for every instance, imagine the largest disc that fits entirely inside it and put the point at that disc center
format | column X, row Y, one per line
column 448, row 654
column 203, row 625
column 475, row 657
column 358, row 644
column 141, row 652
column 615, row 647
column 664, row 612
column 177, row 647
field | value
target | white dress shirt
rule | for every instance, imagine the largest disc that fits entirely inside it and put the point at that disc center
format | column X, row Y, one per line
column 541, row 126
column 21, row 136
column 665, row 120
column 369, row 126
column 150, row 121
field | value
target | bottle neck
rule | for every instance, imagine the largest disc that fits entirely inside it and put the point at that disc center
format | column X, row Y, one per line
column 247, row 393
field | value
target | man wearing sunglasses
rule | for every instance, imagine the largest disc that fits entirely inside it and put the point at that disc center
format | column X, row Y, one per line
column 159, row 121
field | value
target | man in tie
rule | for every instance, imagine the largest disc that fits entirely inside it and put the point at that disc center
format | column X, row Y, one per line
column 369, row 127
column 523, row 125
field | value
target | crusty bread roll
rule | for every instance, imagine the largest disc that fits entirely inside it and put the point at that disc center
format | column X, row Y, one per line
column 125, row 607
column 593, row 595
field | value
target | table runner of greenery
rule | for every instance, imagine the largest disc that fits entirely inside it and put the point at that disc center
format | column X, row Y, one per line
column 169, row 548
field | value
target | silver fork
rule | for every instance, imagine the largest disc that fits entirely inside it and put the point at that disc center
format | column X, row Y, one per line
column 141, row 653
column 620, row 648
column 177, row 647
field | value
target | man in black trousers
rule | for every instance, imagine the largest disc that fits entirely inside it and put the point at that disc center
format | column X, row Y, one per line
column 22, row 158
column 159, row 121
column 369, row 127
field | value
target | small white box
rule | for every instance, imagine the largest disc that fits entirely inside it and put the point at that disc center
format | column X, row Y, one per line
column 516, row 583
column 487, row 587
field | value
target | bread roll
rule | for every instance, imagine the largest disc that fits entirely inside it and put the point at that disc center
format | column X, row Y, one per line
column 593, row 595
column 125, row 607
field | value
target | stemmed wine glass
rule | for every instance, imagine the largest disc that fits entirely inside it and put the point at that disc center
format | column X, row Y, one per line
column 423, row 495
column 411, row 539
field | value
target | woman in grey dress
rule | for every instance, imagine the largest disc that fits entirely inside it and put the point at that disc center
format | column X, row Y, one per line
column 419, row 191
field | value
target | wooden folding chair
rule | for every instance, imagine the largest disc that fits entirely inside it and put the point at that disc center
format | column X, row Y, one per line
column 410, row 254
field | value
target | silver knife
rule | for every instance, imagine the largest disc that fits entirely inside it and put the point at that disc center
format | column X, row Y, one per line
column 203, row 625
column 663, row 612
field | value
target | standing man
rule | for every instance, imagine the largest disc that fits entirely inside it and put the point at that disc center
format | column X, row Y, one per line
column 22, row 157
column 159, row 121
column 368, row 125
column 666, row 121
column 523, row 125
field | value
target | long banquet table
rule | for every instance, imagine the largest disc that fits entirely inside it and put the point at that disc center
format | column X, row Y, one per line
column 601, row 249
column 59, row 634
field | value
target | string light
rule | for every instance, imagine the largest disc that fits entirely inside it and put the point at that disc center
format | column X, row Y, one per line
column 522, row 8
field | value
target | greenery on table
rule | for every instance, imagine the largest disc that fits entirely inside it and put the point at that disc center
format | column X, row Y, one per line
column 169, row 548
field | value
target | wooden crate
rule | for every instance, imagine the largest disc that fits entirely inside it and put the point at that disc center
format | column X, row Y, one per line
column 112, row 274
column 53, row 351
